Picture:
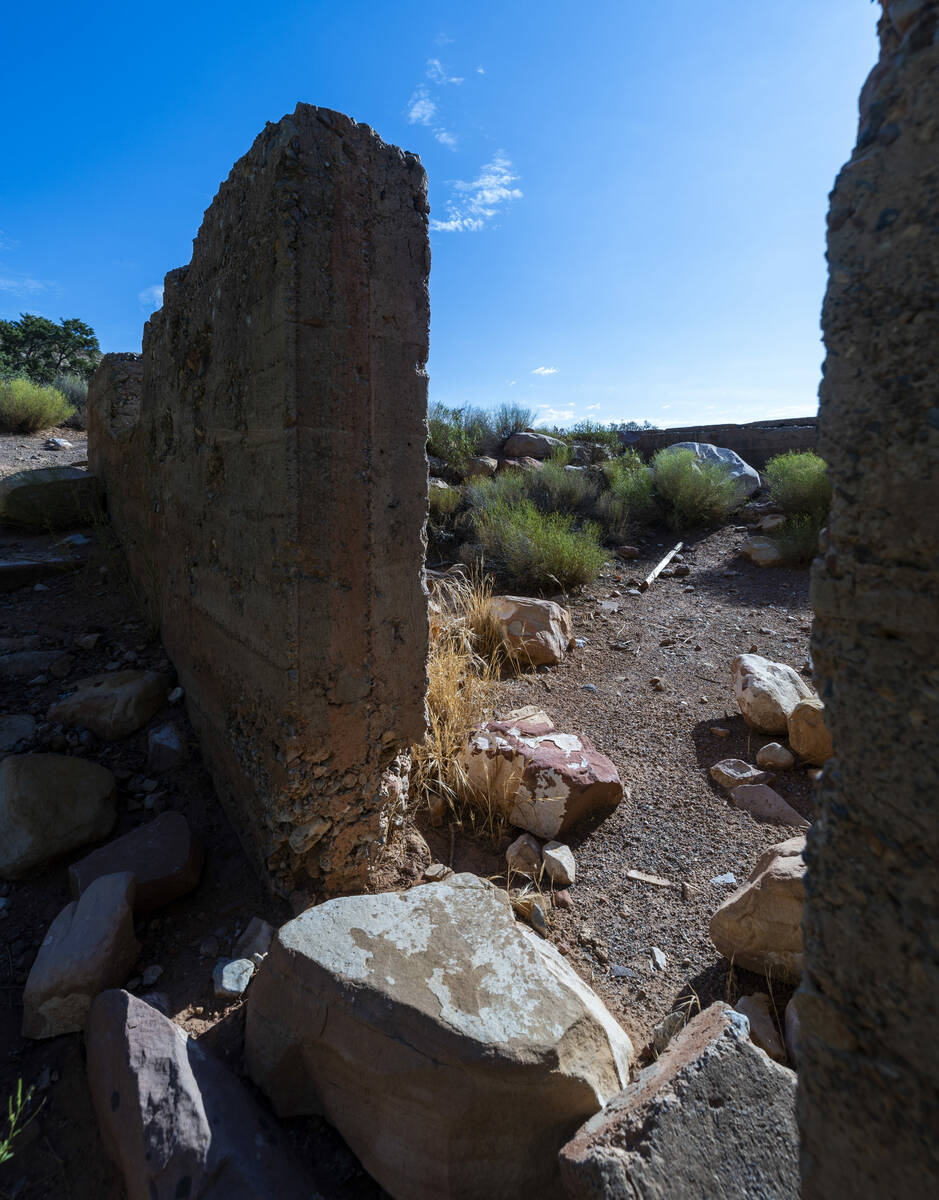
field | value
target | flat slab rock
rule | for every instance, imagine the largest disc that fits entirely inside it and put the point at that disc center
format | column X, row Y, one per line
column 50, row 804
column 113, row 705
column 89, row 947
column 175, row 1120
column 50, row 498
column 542, row 782
column 453, row 1049
column 713, row 1117
column 163, row 856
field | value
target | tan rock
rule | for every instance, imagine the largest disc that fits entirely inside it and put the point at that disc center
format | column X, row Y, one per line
column 774, row 757
column 452, row 1048
column 559, row 864
column 523, row 857
column 763, row 1031
column 50, row 804
column 484, row 465
column 762, row 551
column 808, row 733
column 767, row 692
column 759, row 926
column 113, row 705
column 732, row 772
column 763, row 803
column 538, row 631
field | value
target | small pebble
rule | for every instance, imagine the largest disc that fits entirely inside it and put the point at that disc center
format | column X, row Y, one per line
column 659, row 961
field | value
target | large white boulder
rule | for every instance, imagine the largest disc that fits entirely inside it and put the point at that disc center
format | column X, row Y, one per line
column 746, row 478
column 541, row 781
column 759, row 927
column 767, row 692
column 453, row 1049
column 538, row 631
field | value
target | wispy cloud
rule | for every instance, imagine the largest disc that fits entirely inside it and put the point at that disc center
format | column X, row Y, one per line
column 554, row 416
column 591, row 407
column 443, row 40
column 421, row 108
column 480, row 70
column 473, row 204
column 445, row 138
column 436, row 73
column 24, row 285
column 545, row 371
column 151, row 298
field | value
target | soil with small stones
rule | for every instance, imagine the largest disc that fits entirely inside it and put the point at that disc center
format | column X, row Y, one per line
column 28, row 452
column 674, row 823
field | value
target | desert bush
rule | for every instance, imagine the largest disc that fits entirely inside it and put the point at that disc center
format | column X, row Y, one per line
column 508, row 487
column 533, row 550
column 27, row 407
column 798, row 482
column 694, row 493
column 797, row 539
column 555, row 489
column 628, row 501
column 511, row 418
column 75, row 390
column 443, row 503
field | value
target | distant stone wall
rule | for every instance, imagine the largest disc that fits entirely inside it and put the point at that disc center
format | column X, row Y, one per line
column 756, row 442
column 269, row 485
column 869, row 1003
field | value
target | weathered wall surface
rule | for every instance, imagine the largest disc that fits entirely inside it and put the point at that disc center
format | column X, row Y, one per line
column 755, row 442
column 270, row 486
column 869, row 1065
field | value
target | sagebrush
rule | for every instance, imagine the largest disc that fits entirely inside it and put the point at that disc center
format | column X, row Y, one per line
column 627, row 504
column 537, row 551
column 694, row 493
column 27, row 407
column 798, row 482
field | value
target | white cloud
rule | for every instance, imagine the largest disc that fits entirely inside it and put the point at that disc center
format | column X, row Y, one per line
column 554, row 416
column 513, row 382
column 22, row 285
column 437, row 74
column 545, row 371
column 473, row 204
column 442, row 40
column 480, row 70
column 421, row 109
column 591, row 407
column 445, row 139
column 151, row 297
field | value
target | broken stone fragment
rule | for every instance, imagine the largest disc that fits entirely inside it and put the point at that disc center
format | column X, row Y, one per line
column 808, row 733
column 767, row 692
column 774, row 757
column 762, row 551
column 538, row 631
column 544, row 783
column 113, row 705
column 559, row 864
column 201, row 1136
column 523, row 857
column 437, row 871
column 732, row 772
column 50, row 804
column 759, row 926
column 231, row 977
column 713, row 1116
column 765, row 804
column 164, row 857
column 763, row 1032
column 165, row 748
column 89, row 946
column 666, row 1029
column 305, row 836
column 256, row 939
column 531, row 908
column 422, row 996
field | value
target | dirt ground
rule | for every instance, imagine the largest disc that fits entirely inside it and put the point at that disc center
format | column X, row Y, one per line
column 675, row 823
column 28, row 453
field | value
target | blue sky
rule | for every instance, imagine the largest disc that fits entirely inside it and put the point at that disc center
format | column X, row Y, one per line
column 628, row 199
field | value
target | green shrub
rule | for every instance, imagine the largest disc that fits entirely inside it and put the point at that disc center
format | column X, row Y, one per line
column 511, row 418
column 458, row 434
column 27, row 407
column 797, row 539
column 536, row 551
column 694, row 493
column 508, row 487
column 628, row 502
column 555, row 489
column 75, row 390
column 798, row 482
column 443, row 503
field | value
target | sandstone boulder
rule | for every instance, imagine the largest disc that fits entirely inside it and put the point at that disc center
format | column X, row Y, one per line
column 763, row 803
column 808, row 733
column 175, row 1120
column 542, row 782
column 774, row 757
column 484, row 465
column 113, row 705
column 89, row 946
column 732, row 772
column 453, row 1049
column 50, row 804
column 767, row 692
column 531, row 445
column 162, row 855
column 746, row 478
column 759, row 926
column 712, row 1117
column 538, row 631
column 50, row 498
column 762, row 551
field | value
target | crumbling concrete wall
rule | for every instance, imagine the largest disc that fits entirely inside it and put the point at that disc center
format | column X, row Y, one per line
column 269, row 485
column 869, row 1063
column 756, row 442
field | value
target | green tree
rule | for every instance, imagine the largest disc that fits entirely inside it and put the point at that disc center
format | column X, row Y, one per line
column 40, row 349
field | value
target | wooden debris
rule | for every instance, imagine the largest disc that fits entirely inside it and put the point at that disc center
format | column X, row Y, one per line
column 653, row 574
column 655, row 880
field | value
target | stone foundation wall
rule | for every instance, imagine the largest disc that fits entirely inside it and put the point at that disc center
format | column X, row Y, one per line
column 869, row 1065
column 269, row 485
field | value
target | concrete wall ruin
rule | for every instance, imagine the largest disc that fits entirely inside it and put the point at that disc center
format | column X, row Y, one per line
column 869, row 1064
column 756, row 442
column 264, row 461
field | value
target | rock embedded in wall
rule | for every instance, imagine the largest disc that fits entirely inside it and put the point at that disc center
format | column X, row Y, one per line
column 264, row 462
column 868, row 1057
